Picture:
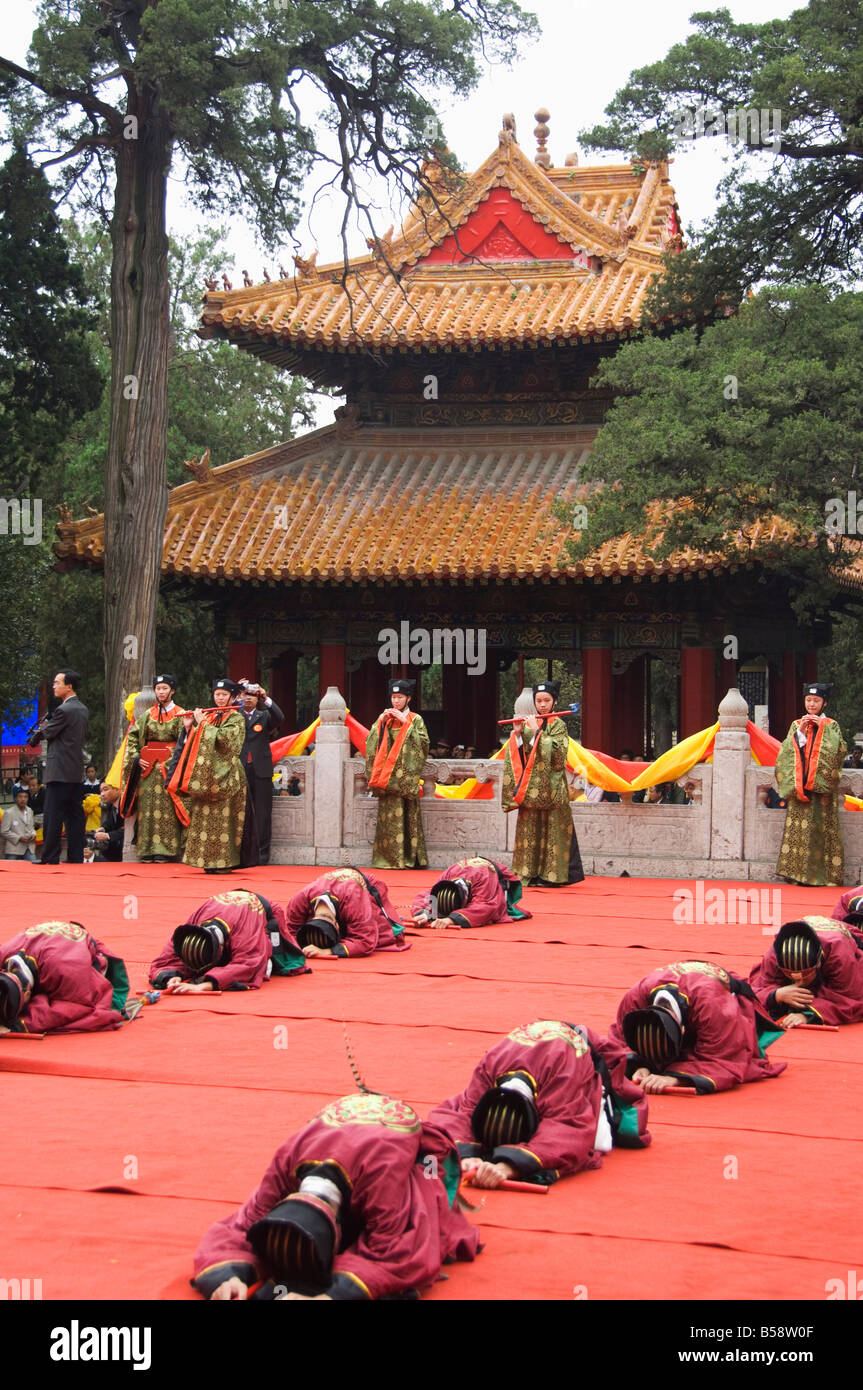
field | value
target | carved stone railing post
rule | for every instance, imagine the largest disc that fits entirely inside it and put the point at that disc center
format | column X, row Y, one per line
column 730, row 760
column 332, row 749
column 522, row 708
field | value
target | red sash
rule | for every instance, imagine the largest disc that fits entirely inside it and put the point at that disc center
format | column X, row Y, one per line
column 384, row 762
column 524, row 780
column 804, row 784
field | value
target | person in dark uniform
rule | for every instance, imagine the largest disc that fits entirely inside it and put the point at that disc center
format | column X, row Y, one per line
column 263, row 718
column 65, row 730
column 109, row 837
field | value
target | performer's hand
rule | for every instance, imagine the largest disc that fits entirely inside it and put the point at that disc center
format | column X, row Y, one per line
column 233, row 1288
column 420, row 919
column 443, row 922
column 400, row 714
column 654, row 1083
column 4, row 1029
column 792, row 1020
column 532, row 722
column 322, row 951
column 141, row 762
column 640, row 1076
column 199, row 714
column 795, row 995
column 100, row 835
column 188, row 721
column 490, row 1174
column 518, row 725
column 186, row 987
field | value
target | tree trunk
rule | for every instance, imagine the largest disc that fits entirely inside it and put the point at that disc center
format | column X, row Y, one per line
column 136, row 496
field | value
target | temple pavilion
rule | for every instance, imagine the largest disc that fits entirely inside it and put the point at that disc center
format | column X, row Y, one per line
column 464, row 344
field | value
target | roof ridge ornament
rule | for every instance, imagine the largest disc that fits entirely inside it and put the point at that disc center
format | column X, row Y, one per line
column 542, row 132
column 507, row 135
column 200, row 468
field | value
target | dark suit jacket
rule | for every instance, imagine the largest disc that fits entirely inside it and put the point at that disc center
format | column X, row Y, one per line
column 65, row 731
column 256, row 756
column 113, row 822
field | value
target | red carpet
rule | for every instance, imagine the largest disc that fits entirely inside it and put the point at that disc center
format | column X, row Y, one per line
column 137, row 1140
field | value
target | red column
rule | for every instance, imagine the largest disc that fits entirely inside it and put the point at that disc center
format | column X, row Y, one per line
column 457, row 712
column 697, row 689
column 596, row 722
column 726, row 679
column 484, row 729
column 810, row 667
column 627, row 697
column 331, row 667
column 243, row 660
column 283, row 689
column 368, row 693
column 786, row 702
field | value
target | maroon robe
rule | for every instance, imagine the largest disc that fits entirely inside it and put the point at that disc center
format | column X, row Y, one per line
column 838, row 986
column 720, row 1041
column 840, row 913
column 399, row 1227
column 249, row 940
column 569, row 1095
column 73, row 994
column 487, row 896
column 369, row 926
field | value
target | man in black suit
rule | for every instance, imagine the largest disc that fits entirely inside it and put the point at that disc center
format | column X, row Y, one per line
column 263, row 718
column 108, row 839
column 65, row 730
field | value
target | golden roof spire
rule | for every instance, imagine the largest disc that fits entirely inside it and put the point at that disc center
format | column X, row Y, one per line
column 541, row 131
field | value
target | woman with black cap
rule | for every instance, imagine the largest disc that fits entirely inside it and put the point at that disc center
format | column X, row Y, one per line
column 150, row 743
column 808, row 768
column 396, row 750
column 534, row 783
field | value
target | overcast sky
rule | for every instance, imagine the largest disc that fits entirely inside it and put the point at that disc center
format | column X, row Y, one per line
column 586, row 52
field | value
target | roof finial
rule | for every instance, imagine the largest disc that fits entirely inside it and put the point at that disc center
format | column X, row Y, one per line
column 541, row 131
column 507, row 134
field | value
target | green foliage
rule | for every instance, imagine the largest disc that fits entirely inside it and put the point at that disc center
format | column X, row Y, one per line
column 797, row 219
column 48, row 374
column 759, row 416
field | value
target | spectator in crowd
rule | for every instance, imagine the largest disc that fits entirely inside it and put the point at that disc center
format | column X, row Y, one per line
column 20, row 783
column 7, row 786
column 35, row 796
column 64, row 730
column 18, row 829
column 91, row 781
column 293, row 787
column 470, row 751
column 663, row 794
column 855, row 757
column 263, row 717
column 108, row 839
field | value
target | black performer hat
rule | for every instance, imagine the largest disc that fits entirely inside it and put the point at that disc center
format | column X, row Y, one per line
column 797, row 948
column 201, row 945
column 297, row 1242
column 854, row 910
column 448, row 895
column 19, row 972
column 166, row 679
column 654, row 1035
column 318, row 931
column 507, row 1113
column 550, row 687
column 817, row 688
column 401, row 686
column 223, row 683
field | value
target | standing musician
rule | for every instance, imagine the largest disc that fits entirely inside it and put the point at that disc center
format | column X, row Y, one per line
column 396, row 750
column 208, row 786
column 149, row 746
column 534, row 783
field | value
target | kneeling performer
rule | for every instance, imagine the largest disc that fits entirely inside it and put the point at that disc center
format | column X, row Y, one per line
column 472, row 893
column 345, row 913
column 56, row 978
column 694, row 1024
column 813, row 973
column 358, row 1205
column 233, row 941
column 547, row 1101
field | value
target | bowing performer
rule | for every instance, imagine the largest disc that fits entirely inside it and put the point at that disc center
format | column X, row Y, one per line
column 396, row 751
column 357, row 1205
column 813, row 973
column 57, row 978
column 534, row 783
column 473, row 892
column 547, row 1101
column 345, row 913
column 694, row 1024
column 233, row 941
column 849, row 910
column 208, row 785
column 149, row 746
